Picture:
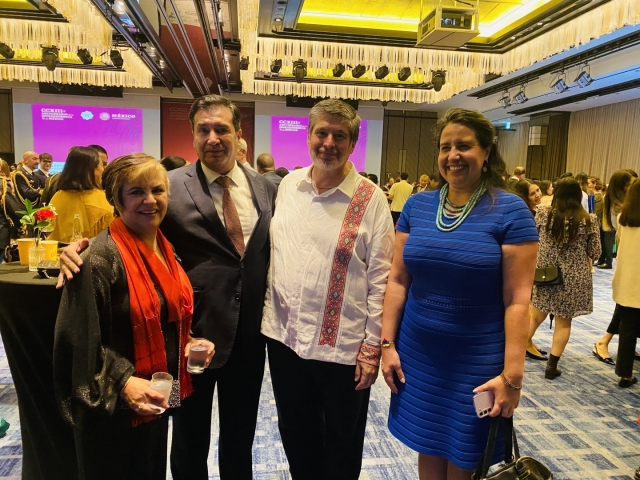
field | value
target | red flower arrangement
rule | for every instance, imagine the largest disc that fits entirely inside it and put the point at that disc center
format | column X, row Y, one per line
column 44, row 214
column 40, row 218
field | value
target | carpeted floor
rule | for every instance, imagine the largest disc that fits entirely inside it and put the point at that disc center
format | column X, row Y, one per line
column 581, row 425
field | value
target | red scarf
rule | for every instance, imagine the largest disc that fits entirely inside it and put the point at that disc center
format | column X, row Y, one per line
column 145, row 271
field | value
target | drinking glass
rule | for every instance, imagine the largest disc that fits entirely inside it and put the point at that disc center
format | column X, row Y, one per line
column 197, row 356
column 161, row 382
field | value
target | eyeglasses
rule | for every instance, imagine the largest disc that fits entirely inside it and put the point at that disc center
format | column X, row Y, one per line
column 45, row 161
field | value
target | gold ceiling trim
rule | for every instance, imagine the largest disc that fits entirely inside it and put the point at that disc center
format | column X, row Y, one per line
column 465, row 70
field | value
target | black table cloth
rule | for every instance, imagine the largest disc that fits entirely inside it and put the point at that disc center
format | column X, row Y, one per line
column 28, row 309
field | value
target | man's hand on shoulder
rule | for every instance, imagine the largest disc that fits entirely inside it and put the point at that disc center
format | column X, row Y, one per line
column 70, row 261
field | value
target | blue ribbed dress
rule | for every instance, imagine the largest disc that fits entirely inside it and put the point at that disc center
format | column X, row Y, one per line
column 451, row 338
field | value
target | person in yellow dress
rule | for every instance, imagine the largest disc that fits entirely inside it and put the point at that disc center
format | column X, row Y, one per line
column 80, row 193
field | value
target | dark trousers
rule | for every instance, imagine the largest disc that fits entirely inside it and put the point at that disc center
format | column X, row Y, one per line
column 395, row 216
column 321, row 417
column 629, row 331
column 110, row 447
column 239, row 382
column 614, row 325
column 607, row 249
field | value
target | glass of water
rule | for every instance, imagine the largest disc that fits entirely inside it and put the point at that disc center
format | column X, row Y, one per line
column 161, row 382
column 197, row 355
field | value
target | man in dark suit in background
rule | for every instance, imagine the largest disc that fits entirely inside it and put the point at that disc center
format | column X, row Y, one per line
column 46, row 161
column 228, row 269
column 265, row 166
column 218, row 222
column 27, row 183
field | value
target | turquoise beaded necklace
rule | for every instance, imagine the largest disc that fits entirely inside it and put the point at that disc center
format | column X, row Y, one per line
column 455, row 213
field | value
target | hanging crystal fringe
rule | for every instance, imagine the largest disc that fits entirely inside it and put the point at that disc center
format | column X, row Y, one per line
column 87, row 28
column 137, row 75
column 465, row 70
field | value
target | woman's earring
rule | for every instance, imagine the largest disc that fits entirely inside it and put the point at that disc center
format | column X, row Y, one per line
column 484, row 166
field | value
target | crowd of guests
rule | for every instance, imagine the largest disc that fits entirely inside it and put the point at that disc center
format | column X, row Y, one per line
column 307, row 266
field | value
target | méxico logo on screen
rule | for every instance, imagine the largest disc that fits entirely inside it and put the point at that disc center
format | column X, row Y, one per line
column 104, row 116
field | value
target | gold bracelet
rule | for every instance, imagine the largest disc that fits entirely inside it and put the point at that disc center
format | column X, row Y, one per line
column 507, row 383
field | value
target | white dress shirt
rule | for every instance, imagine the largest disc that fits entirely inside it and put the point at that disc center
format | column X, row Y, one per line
column 240, row 193
column 305, row 233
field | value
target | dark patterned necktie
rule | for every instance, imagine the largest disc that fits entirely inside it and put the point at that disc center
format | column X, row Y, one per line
column 231, row 218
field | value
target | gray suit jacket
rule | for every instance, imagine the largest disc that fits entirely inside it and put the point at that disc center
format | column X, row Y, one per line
column 228, row 289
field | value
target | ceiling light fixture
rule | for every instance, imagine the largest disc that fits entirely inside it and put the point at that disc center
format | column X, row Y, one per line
column 244, row 63
column 6, row 51
column 276, row 65
column 84, row 56
column 404, row 74
column 50, row 57
column 438, row 79
column 520, row 98
column 116, row 58
column 505, row 100
column 584, row 77
column 382, row 72
column 299, row 70
column 359, row 71
column 338, row 70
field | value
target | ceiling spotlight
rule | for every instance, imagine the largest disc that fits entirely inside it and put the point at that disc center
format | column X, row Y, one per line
column 116, row 58
column 84, row 56
column 359, row 71
column 505, row 101
column 338, row 70
column 50, row 57
column 520, row 97
column 404, row 74
column 438, row 79
column 244, row 63
column 276, row 65
column 382, row 72
column 560, row 86
column 299, row 70
column 6, row 51
column 584, row 78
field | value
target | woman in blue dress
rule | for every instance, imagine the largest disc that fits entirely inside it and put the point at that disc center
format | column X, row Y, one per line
column 456, row 310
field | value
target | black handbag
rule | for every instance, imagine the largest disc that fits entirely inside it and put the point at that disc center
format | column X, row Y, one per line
column 515, row 467
column 548, row 276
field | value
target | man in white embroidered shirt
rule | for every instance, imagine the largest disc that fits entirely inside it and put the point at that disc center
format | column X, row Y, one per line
column 331, row 248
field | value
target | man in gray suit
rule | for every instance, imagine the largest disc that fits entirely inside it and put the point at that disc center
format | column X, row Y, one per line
column 226, row 261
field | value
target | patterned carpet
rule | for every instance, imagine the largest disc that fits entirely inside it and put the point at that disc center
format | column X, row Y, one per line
column 581, row 425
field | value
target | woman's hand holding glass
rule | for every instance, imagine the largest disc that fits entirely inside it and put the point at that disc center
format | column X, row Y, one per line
column 141, row 398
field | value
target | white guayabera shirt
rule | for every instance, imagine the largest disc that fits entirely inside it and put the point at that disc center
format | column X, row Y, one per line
column 330, row 259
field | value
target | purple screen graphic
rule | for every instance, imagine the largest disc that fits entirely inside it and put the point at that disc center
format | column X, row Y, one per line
column 57, row 128
column 289, row 143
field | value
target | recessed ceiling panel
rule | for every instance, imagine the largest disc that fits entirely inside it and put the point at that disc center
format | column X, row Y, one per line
column 398, row 17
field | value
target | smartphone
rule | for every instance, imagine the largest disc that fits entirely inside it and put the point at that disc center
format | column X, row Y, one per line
column 483, row 403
